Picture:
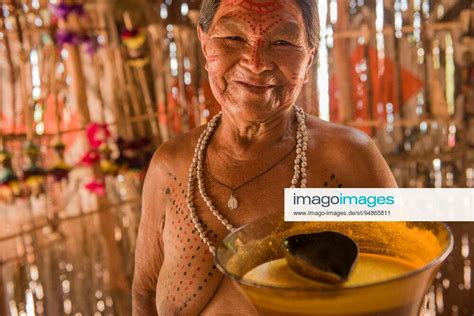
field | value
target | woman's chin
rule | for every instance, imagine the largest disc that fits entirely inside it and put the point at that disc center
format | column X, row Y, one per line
column 254, row 110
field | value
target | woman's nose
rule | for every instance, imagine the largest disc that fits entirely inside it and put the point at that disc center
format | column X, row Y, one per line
column 256, row 57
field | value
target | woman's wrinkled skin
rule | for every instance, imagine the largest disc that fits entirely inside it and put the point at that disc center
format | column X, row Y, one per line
column 258, row 57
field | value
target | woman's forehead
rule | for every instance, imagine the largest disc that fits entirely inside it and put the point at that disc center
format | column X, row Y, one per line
column 260, row 7
column 277, row 10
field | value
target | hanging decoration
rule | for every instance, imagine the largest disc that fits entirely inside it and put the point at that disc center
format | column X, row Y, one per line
column 135, row 41
column 9, row 182
column 33, row 175
column 60, row 170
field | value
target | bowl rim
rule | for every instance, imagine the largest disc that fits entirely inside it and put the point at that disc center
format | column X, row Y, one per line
column 437, row 260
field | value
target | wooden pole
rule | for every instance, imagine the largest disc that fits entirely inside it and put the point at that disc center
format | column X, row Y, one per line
column 27, row 108
column 2, row 144
column 131, row 88
column 3, row 297
column 112, row 63
column 150, row 110
column 112, row 84
column 369, row 86
column 78, row 86
column 425, row 44
column 157, row 53
column 99, row 74
column 118, row 281
column 179, row 33
column 342, row 65
column 398, row 85
column 119, row 65
column 54, row 91
column 12, row 78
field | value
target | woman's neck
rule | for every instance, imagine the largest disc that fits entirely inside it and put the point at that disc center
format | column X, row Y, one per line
column 243, row 139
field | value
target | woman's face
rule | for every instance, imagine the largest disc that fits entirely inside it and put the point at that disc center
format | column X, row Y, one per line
column 257, row 55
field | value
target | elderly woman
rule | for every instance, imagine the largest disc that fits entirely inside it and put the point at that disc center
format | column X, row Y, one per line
column 234, row 169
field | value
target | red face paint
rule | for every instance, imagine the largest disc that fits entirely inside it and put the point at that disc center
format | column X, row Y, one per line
column 260, row 7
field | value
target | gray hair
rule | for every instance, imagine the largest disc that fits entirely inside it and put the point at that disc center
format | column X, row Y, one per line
column 309, row 9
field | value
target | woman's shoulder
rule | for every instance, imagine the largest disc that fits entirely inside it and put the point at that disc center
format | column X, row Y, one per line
column 350, row 152
column 177, row 152
column 333, row 134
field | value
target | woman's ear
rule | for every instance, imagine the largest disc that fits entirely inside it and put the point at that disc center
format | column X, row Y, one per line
column 313, row 54
column 203, row 39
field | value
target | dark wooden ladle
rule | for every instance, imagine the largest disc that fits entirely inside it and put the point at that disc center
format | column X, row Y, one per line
column 327, row 256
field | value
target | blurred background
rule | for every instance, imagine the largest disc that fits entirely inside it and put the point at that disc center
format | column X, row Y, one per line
column 88, row 90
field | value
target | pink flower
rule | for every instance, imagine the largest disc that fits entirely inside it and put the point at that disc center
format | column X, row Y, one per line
column 96, row 187
column 97, row 134
column 90, row 157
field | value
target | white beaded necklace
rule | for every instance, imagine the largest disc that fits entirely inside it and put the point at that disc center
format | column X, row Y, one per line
column 196, row 172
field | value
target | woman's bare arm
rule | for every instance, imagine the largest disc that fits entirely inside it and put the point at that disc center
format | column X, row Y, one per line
column 149, row 252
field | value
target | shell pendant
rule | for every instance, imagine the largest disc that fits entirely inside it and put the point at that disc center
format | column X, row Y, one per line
column 232, row 204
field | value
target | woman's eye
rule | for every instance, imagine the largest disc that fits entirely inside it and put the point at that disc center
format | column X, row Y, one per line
column 283, row 43
column 234, row 38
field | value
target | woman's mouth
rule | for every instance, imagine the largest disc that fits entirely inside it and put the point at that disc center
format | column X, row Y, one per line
column 257, row 88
